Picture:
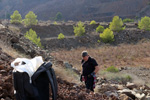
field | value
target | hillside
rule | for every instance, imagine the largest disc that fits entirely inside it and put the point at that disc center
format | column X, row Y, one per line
column 99, row 10
column 129, row 53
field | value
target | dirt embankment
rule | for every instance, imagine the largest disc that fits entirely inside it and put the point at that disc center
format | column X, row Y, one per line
column 49, row 33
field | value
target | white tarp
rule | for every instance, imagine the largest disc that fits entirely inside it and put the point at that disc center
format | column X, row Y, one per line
column 27, row 65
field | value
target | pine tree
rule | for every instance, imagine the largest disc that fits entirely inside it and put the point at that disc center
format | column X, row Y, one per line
column 32, row 36
column 144, row 24
column 58, row 16
column 30, row 19
column 107, row 35
column 16, row 17
column 116, row 24
column 100, row 28
column 79, row 30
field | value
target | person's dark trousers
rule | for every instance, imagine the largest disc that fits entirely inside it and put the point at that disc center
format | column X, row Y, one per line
column 89, row 83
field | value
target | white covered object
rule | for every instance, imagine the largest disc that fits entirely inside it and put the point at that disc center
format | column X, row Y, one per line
column 27, row 65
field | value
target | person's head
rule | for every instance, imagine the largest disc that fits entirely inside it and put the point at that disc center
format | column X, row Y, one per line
column 85, row 55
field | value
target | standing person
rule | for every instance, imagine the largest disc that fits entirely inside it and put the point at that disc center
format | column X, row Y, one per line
column 89, row 70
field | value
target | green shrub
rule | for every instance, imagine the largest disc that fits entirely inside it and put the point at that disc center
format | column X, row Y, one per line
column 100, row 29
column 144, row 24
column 107, row 36
column 116, row 24
column 112, row 69
column 61, row 36
column 92, row 22
column 55, row 23
column 58, row 16
column 128, row 20
column 32, row 36
column 16, row 17
column 98, row 41
column 79, row 30
column 30, row 19
column 128, row 77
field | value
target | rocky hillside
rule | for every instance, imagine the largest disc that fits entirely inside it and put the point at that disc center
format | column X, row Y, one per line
column 66, row 90
column 118, row 88
column 99, row 10
column 49, row 33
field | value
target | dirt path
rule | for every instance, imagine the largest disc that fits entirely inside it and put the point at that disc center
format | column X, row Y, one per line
column 50, row 38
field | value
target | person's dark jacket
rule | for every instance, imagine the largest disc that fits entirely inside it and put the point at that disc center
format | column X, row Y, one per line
column 89, row 66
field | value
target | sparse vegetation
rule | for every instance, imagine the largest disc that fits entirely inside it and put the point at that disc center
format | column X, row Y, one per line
column 112, row 69
column 30, row 19
column 55, row 23
column 128, row 20
column 100, row 29
column 32, row 36
column 16, row 17
column 107, row 36
column 116, row 24
column 116, row 76
column 79, row 30
column 128, row 77
column 98, row 41
column 61, row 36
column 93, row 22
column 144, row 24
column 66, row 74
column 11, row 51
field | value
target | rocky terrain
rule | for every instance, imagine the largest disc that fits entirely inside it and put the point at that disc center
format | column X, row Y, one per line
column 107, row 89
column 66, row 90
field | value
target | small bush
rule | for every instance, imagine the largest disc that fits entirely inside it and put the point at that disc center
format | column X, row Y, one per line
column 16, row 17
column 79, row 30
column 92, row 22
column 55, row 23
column 98, row 41
column 32, row 36
column 116, row 24
column 128, row 78
column 128, row 20
column 107, row 36
column 100, row 29
column 61, row 36
column 112, row 69
column 144, row 24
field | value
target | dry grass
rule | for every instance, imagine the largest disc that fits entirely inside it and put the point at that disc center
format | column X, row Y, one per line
column 66, row 74
column 10, row 51
column 121, row 55
column 14, row 29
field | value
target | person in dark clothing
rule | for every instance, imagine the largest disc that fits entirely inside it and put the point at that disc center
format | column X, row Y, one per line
column 89, row 70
